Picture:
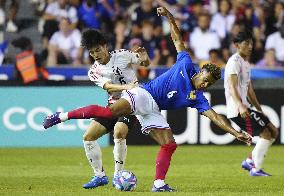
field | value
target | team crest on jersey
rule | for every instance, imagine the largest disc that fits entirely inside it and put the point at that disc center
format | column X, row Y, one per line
column 192, row 95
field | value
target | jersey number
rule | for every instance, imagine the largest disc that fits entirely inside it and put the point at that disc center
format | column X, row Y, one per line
column 121, row 80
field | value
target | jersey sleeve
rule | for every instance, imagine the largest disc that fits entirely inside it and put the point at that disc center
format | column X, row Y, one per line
column 98, row 79
column 183, row 59
column 233, row 67
column 202, row 104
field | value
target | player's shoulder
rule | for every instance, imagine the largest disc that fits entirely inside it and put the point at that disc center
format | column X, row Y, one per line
column 234, row 59
column 122, row 53
column 183, row 56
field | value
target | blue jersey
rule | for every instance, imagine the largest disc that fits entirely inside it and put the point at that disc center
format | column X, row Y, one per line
column 174, row 89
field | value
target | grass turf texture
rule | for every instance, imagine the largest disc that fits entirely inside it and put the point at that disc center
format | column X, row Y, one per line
column 195, row 170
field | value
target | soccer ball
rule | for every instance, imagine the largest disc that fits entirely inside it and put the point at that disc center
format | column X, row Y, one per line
column 125, row 181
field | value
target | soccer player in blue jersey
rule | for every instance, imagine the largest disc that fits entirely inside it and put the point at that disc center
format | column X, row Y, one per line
column 181, row 86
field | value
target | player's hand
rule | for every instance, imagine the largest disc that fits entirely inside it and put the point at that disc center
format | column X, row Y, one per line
column 161, row 11
column 244, row 137
column 143, row 55
column 243, row 111
column 140, row 50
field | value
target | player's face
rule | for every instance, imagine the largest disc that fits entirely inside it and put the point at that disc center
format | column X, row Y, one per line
column 100, row 54
column 203, row 80
column 245, row 48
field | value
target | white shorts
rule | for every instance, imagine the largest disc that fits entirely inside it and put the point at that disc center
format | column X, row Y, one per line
column 146, row 109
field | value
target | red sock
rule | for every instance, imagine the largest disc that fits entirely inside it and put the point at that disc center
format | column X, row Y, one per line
column 164, row 159
column 91, row 111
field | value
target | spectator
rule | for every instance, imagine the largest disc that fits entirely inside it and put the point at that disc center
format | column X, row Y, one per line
column 195, row 9
column 14, row 6
column 53, row 14
column 88, row 15
column 214, row 57
column 275, row 18
column 64, row 45
column 150, row 42
column 202, row 40
column 2, row 24
column 269, row 60
column 223, row 20
column 109, row 11
column 276, row 41
column 145, row 12
column 121, row 38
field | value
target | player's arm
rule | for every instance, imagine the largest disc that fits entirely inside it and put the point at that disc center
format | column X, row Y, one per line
column 252, row 97
column 110, row 88
column 224, row 124
column 175, row 33
column 233, row 88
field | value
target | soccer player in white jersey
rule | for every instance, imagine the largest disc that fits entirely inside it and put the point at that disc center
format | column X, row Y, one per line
column 241, row 98
column 111, row 71
column 181, row 86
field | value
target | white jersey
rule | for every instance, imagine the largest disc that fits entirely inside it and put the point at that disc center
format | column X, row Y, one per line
column 237, row 65
column 117, row 71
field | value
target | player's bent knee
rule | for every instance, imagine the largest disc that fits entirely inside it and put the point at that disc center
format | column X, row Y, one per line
column 120, row 130
column 120, row 134
column 266, row 134
column 88, row 137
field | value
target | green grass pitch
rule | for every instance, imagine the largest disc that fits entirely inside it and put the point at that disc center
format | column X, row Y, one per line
column 195, row 170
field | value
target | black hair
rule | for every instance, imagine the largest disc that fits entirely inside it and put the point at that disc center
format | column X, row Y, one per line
column 93, row 38
column 213, row 69
column 243, row 36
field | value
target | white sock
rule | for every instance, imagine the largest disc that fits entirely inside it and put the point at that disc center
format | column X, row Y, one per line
column 272, row 141
column 63, row 116
column 159, row 183
column 259, row 152
column 94, row 155
column 119, row 154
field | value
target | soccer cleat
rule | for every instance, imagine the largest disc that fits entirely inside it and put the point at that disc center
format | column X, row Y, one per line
column 165, row 188
column 258, row 173
column 114, row 179
column 51, row 120
column 247, row 166
column 95, row 182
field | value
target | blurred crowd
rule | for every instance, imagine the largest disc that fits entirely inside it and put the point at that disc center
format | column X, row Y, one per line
column 207, row 27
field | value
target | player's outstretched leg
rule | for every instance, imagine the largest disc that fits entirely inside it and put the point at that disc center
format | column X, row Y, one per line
column 168, row 147
column 120, row 108
column 91, row 111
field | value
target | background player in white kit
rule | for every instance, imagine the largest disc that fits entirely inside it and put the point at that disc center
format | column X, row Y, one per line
column 111, row 71
column 240, row 98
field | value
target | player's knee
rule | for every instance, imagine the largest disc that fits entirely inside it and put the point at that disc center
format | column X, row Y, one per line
column 266, row 134
column 89, row 137
column 120, row 132
column 274, row 133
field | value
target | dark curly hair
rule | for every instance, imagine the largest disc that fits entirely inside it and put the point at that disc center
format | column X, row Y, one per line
column 213, row 69
column 93, row 38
